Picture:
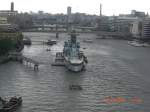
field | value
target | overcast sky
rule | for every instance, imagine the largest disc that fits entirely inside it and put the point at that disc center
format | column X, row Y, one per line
column 110, row 7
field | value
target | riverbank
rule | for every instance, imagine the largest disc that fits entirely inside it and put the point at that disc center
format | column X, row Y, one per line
column 5, row 58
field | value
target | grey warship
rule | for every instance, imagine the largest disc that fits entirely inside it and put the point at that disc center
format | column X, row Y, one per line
column 74, row 58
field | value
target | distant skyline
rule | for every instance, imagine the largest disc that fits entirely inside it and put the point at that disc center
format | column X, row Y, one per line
column 109, row 7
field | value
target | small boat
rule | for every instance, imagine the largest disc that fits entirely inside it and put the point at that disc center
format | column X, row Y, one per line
column 48, row 49
column 75, row 87
column 11, row 105
column 88, row 41
column 27, row 41
column 138, row 44
column 51, row 42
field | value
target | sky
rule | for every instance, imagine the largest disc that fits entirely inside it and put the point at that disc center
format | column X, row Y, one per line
column 109, row 7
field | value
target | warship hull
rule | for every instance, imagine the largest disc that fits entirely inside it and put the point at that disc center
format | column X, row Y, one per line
column 75, row 67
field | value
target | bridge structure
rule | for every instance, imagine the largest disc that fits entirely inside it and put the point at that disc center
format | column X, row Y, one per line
column 54, row 27
column 60, row 28
column 80, row 29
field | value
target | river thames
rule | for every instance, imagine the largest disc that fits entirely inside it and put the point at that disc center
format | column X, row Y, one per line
column 117, row 77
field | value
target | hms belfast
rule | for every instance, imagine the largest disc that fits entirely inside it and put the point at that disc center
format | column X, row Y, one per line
column 74, row 59
column 71, row 57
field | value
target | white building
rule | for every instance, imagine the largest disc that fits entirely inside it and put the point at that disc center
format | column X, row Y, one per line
column 146, row 28
column 3, row 20
column 141, row 28
column 136, row 28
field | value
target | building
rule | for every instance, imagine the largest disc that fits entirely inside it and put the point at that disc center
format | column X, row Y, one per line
column 10, row 37
column 138, row 13
column 146, row 28
column 136, row 28
column 69, row 19
column 100, row 10
column 103, row 23
column 12, row 6
column 6, row 27
column 121, row 24
column 141, row 28
column 5, row 13
column 3, row 20
column 11, row 12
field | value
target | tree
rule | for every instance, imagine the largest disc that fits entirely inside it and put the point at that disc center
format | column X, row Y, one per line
column 23, row 20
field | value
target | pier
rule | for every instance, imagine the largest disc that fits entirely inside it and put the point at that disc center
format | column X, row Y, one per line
column 30, row 61
column 19, row 57
column 59, row 60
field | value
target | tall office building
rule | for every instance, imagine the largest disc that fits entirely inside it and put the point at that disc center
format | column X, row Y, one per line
column 69, row 10
column 100, row 9
column 68, row 14
column 69, row 19
column 11, row 12
column 146, row 28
